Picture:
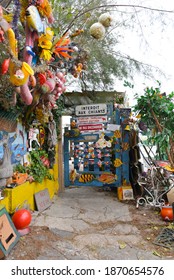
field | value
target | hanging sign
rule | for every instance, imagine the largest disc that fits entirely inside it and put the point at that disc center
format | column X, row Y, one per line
column 92, row 119
column 90, row 127
column 92, row 109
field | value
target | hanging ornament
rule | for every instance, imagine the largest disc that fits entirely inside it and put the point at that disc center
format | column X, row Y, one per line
column 105, row 19
column 5, row 66
column 117, row 162
column 97, row 30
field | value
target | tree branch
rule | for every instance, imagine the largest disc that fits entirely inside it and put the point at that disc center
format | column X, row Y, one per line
column 136, row 61
column 111, row 6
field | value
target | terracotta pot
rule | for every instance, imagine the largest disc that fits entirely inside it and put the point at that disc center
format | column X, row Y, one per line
column 167, row 213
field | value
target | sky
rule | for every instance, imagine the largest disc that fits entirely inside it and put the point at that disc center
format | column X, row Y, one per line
column 151, row 40
column 152, row 43
column 155, row 47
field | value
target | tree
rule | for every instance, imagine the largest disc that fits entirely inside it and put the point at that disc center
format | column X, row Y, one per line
column 156, row 110
column 106, row 62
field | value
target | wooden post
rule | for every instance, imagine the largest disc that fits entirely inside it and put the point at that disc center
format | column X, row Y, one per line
column 60, row 160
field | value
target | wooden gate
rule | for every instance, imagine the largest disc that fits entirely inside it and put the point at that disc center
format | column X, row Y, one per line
column 98, row 158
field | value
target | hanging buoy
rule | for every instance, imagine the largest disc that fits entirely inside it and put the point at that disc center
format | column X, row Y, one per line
column 5, row 66
column 97, row 30
column 105, row 19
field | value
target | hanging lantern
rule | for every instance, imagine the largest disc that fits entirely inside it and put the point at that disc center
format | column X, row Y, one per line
column 105, row 19
column 97, row 30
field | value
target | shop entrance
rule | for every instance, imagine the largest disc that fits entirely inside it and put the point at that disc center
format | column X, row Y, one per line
column 98, row 158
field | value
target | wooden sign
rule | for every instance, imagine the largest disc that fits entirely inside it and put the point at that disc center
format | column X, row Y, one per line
column 9, row 235
column 42, row 200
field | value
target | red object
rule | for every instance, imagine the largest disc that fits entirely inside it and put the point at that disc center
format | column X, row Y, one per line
column 42, row 78
column 45, row 161
column 21, row 218
column 5, row 66
column 90, row 127
column 167, row 213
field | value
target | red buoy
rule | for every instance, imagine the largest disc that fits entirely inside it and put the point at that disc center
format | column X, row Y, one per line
column 21, row 218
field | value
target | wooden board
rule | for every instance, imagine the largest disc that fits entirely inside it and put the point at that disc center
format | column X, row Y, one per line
column 9, row 235
column 42, row 200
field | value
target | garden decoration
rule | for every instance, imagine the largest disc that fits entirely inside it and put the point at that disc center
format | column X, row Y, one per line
column 37, row 77
column 107, row 178
column 102, row 142
column 97, row 29
column 85, row 178
column 33, row 136
column 73, row 175
column 19, row 178
column 6, row 168
column 22, row 218
column 155, row 187
column 52, row 135
column 167, row 213
column 35, row 62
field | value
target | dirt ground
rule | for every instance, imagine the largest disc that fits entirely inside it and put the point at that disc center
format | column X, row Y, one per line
column 147, row 220
column 150, row 224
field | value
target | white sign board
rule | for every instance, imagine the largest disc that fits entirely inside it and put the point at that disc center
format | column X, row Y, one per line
column 92, row 109
column 92, row 119
column 113, row 127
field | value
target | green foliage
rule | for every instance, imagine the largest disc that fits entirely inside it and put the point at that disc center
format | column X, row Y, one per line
column 104, row 65
column 36, row 169
column 20, row 168
column 156, row 110
column 128, row 84
column 57, row 113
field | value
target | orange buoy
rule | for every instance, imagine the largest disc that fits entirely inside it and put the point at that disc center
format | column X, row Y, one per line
column 167, row 213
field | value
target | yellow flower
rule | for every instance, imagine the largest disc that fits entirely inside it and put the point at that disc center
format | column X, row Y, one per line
column 46, row 54
column 44, row 43
column 49, row 33
column 45, row 40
